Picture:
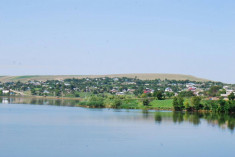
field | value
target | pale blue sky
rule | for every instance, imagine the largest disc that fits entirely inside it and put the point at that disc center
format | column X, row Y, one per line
column 195, row 37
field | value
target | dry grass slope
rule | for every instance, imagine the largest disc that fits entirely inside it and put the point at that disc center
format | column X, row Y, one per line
column 147, row 76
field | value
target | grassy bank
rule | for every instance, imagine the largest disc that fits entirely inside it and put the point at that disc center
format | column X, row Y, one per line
column 162, row 104
column 126, row 103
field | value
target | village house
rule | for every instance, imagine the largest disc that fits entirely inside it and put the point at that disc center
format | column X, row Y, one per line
column 114, row 90
column 131, row 83
column 147, row 90
column 192, row 88
column 5, row 91
column 46, row 92
column 225, row 87
column 190, row 85
column 228, row 92
column 130, row 90
column 168, row 89
column 120, row 93
column 115, row 79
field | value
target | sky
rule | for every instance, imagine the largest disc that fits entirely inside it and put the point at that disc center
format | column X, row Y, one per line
column 77, row 37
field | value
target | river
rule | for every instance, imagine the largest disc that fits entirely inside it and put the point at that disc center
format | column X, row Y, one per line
column 53, row 128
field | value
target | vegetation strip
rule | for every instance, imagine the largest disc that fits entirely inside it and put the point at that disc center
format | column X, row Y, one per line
column 131, row 93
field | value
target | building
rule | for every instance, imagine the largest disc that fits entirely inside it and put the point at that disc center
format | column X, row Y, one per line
column 6, row 91
column 115, row 79
column 147, row 90
column 228, row 92
column 188, row 85
column 192, row 88
column 120, row 93
column 168, row 89
column 46, row 92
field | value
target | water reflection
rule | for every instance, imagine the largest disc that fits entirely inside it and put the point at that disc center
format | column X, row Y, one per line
column 158, row 117
column 38, row 101
column 224, row 121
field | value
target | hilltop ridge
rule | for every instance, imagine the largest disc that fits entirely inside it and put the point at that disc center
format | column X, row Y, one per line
column 142, row 76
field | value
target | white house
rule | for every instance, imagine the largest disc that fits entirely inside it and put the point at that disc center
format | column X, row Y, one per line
column 228, row 92
column 67, row 84
column 6, row 91
column 46, row 92
column 115, row 79
column 168, row 90
column 120, row 93
column 190, row 85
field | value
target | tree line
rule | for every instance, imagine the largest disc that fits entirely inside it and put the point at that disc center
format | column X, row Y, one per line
column 196, row 103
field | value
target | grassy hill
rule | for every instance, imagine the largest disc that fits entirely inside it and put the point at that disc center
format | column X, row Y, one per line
column 148, row 76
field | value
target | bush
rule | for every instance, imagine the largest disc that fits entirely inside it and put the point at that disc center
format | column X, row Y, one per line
column 117, row 103
column 178, row 103
column 231, row 108
column 83, row 103
column 222, row 106
column 188, row 107
column 146, row 102
column 77, row 94
column 96, row 104
column 159, row 95
column 186, row 94
column 231, row 96
column 207, row 107
column 196, row 103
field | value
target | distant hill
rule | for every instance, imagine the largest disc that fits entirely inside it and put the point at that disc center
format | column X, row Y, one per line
column 147, row 76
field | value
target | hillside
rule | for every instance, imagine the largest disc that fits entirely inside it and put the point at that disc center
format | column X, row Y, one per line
column 147, row 76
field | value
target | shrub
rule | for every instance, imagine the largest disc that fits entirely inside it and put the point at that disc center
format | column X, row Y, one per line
column 196, row 103
column 117, row 103
column 178, row 103
column 146, row 102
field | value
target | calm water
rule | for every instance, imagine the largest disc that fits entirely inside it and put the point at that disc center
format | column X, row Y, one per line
column 62, row 131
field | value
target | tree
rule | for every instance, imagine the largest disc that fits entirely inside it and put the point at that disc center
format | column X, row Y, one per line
column 169, row 94
column 231, row 106
column 187, row 106
column 181, row 103
column 146, row 102
column 33, row 91
column 144, row 95
column 117, row 103
column 57, row 92
column 77, row 94
column 186, row 94
column 175, row 103
column 231, row 96
column 214, row 106
column 214, row 91
column 222, row 106
column 138, row 91
column 149, row 94
column 158, row 94
column 196, row 100
column 222, row 91
column 178, row 103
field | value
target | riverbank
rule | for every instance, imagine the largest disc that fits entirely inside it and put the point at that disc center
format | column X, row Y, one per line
column 109, row 102
column 125, row 102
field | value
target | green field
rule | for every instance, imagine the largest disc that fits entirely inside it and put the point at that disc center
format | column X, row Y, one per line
column 162, row 104
column 134, row 104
